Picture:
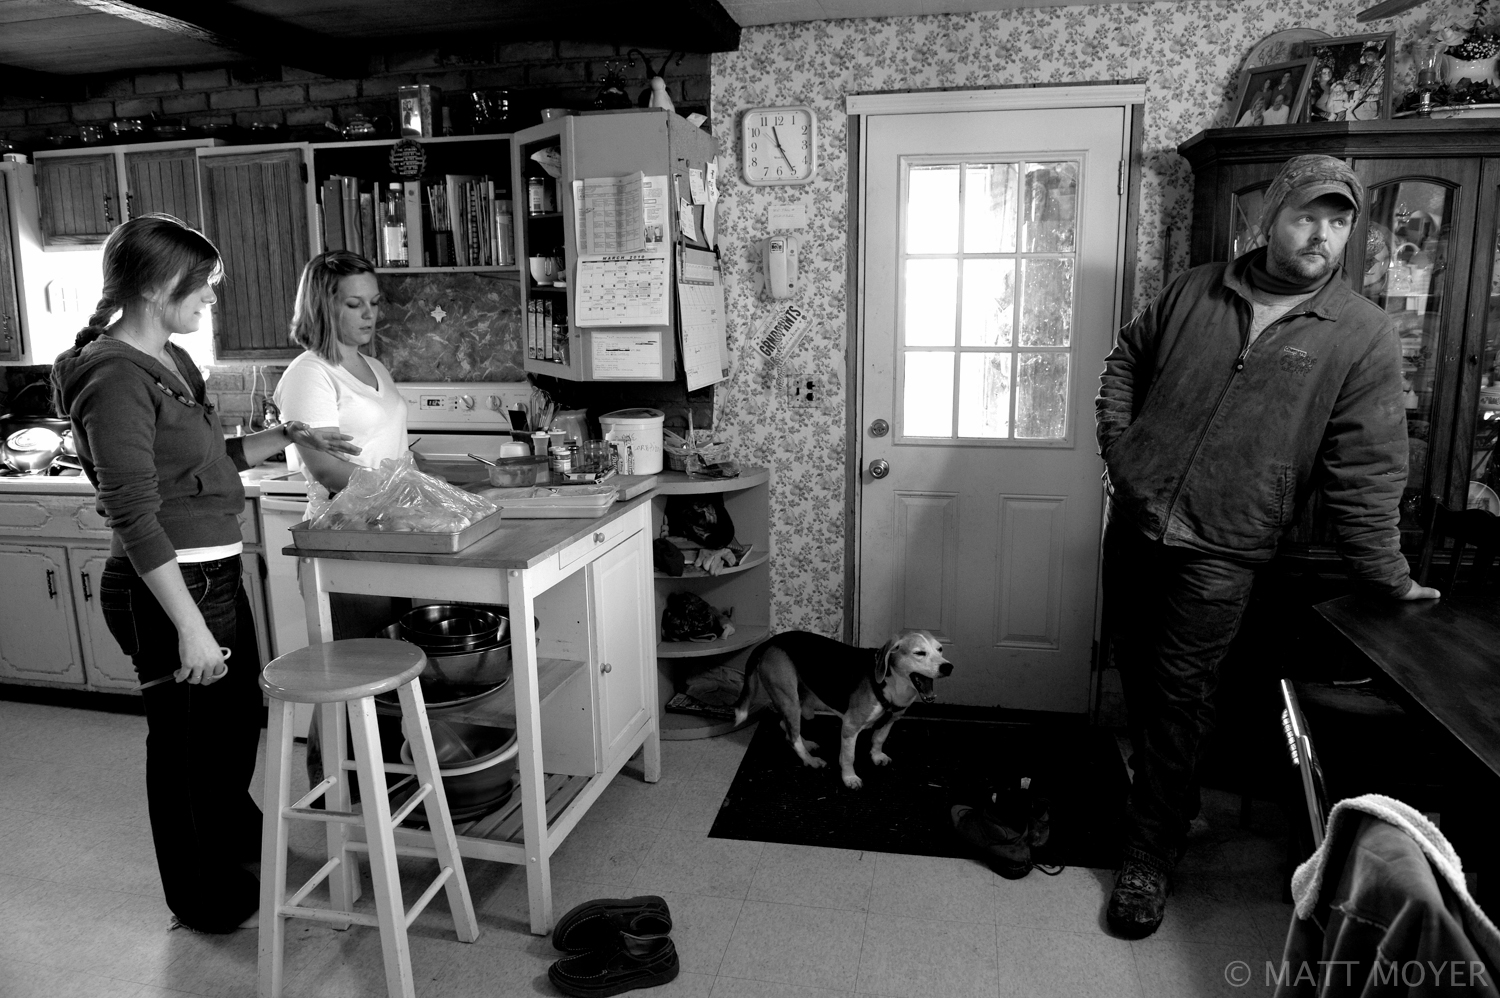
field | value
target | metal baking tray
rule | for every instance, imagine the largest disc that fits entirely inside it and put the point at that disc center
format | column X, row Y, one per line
column 408, row 542
column 554, row 501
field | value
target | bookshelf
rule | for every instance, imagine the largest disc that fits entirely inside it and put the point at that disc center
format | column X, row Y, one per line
column 483, row 162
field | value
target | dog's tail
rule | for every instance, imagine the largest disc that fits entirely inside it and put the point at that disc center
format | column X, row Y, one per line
column 751, row 689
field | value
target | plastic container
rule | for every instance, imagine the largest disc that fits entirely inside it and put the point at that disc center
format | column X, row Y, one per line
column 643, row 427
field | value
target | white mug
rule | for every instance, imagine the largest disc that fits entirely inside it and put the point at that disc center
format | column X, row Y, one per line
column 543, row 269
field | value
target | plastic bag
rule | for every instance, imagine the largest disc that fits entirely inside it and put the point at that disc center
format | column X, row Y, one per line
column 398, row 497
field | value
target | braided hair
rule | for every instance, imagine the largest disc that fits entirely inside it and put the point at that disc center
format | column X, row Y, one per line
column 148, row 253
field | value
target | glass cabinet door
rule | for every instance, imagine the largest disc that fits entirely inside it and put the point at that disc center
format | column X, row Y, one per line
column 1405, row 272
column 1484, row 461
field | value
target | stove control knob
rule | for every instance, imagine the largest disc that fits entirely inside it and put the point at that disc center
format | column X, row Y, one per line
column 497, row 404
column 467, row 400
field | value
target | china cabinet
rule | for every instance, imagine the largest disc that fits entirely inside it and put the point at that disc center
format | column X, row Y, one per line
column 1425, row 250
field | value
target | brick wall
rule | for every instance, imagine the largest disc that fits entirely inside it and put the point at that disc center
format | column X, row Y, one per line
column 538, row 74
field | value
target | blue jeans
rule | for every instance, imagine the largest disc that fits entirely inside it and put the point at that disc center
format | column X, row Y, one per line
column 1170, row 614
column 201, row 742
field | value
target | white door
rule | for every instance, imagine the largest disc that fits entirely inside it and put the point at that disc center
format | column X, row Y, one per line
column 990, row 273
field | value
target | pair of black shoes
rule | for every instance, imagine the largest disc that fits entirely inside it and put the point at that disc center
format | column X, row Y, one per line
column 616, row 945
column 1003, row 831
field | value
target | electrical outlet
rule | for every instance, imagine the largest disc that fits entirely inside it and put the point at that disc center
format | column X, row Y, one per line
column 804, row 391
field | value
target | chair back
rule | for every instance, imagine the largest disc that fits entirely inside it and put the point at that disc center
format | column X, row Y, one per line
column 1455, row 532
column 1299, row 748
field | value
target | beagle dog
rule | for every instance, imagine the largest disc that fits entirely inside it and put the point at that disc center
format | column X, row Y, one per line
column 865, row 686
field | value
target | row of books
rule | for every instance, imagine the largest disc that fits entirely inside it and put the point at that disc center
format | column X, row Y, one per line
column 480, row 222
column 463, row 222
column 547, row 329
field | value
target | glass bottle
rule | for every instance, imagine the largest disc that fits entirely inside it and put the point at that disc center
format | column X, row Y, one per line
column 393, row 228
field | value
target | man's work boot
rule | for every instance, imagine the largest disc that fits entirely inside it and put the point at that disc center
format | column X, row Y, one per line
column 1138, row 902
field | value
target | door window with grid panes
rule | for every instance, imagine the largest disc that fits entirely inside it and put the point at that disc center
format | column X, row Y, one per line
column 988, row 272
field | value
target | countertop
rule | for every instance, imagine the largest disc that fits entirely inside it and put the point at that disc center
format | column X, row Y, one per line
column 518, row 543
column 78, row 485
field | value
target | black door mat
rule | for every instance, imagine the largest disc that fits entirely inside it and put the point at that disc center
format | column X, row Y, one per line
column 904, row 807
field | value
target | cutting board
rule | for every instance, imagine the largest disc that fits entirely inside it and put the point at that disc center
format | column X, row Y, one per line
column 631, row 486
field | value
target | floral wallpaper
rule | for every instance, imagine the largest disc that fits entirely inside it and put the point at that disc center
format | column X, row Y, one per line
column 451, row 327
column 1189, row 55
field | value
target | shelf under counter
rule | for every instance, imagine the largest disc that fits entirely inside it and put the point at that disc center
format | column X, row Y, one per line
column 743, row 637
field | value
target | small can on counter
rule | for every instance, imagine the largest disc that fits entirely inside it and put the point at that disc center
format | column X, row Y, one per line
column 560, row 460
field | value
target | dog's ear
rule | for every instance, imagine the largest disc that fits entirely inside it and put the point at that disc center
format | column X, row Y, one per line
column 887, row 653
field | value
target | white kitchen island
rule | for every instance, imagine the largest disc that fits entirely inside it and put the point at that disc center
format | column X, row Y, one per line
column 583, row 698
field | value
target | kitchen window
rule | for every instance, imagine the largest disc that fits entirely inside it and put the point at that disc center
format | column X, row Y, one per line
column 988, row 268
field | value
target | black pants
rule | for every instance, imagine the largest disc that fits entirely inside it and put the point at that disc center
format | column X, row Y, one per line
column 201, row 742
column 1171, row 614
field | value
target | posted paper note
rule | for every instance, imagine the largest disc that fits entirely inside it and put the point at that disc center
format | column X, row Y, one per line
column 700, row 298
column 627, row 355
column 624, row 289
column 612, row 213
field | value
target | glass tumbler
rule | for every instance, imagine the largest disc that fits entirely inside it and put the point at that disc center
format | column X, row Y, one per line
column 595, row 456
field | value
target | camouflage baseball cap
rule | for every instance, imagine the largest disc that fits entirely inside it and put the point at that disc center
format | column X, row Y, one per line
column 1304, row 179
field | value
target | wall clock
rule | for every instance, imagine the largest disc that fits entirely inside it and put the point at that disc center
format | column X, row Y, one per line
column 780, row 145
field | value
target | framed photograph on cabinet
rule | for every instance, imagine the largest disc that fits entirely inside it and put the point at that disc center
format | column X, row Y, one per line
column 1272, row 95
column 1351, row 77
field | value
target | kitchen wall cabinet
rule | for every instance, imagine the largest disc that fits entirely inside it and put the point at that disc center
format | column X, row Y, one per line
column 79, row 198
column 256, row 211
column 1425, row 250
column 603, row 145
column 163, row 180
column 37, row 639
column 745, row 590
column 82, row 196
column 53, row 546
column 11, row 344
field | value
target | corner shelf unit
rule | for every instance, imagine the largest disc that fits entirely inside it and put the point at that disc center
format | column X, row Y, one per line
column 746, row 588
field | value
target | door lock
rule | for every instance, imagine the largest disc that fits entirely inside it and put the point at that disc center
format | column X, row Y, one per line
column 879, row 468
column 879, row 428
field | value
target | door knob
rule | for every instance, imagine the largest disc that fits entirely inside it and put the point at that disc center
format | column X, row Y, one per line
column 606, row 667
column 879, row 428
column 880, row 468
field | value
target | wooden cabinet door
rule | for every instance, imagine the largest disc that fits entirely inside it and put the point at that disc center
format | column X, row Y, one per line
column 163, row 181
column 10, row 300
column 77, row 197
column 625, row 640
column 255, row 211
column 107, row 666
column 36, row 616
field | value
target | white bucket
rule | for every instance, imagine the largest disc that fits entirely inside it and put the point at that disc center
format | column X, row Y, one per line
column 643, row 429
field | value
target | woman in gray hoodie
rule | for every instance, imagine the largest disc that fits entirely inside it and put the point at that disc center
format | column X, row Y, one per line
column 168, row 483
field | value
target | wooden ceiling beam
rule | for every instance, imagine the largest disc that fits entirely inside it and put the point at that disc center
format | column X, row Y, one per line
column 34, row 85
column 242, row 31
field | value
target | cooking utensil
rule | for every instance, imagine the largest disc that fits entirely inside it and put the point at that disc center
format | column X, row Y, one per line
column 483, row 460
column 516, row 472
column 482, row 668
column 31, row 449
column 172, row 676
column 453, row 627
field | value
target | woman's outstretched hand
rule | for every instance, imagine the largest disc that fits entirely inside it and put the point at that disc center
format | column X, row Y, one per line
column 327, row 439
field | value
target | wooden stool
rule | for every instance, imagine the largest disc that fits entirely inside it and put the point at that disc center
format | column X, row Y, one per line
column 352, row 672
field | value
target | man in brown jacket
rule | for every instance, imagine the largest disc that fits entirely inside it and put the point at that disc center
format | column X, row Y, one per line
column 1243, row 386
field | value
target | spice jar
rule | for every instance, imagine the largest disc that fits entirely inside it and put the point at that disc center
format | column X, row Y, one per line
column 560, row 460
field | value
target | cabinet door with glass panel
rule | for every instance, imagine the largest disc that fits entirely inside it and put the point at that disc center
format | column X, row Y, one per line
column 1479, row 392
column 1413, row 262
column 987, row 301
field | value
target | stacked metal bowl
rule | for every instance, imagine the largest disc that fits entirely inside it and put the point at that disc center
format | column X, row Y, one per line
column 467, row 646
